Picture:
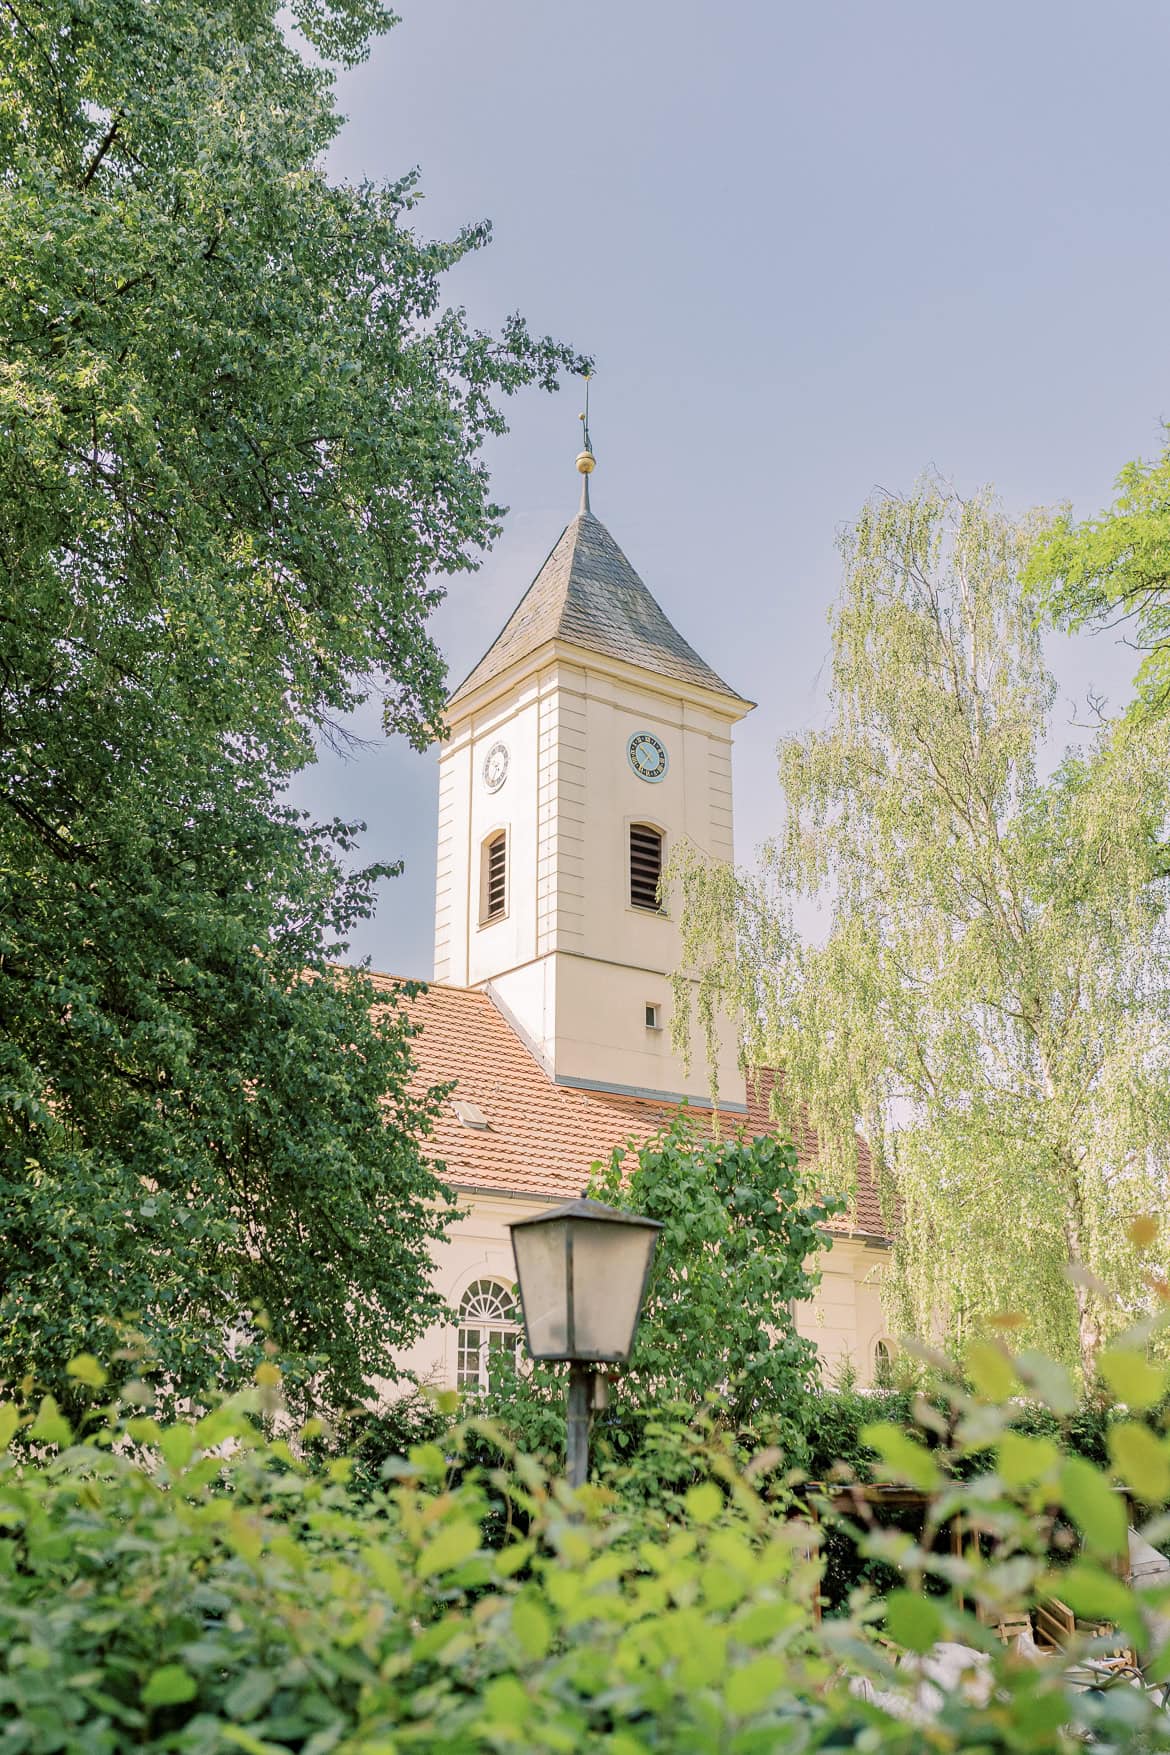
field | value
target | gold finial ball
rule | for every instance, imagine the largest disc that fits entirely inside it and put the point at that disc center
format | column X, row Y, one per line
column 586, row 462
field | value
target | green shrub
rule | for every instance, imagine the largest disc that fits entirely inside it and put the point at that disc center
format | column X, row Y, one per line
column 741, row 1228
column 200, row 1587
column 372, row 1437
column 717, row 1340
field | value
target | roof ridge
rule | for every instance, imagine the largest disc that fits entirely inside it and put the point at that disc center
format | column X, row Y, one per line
column 509, row 619
column 422, row 980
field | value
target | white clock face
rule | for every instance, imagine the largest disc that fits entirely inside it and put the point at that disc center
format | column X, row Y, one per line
column 495, row 767
column 647, row 756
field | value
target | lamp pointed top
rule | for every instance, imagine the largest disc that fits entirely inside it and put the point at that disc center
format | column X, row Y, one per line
column 586, row 461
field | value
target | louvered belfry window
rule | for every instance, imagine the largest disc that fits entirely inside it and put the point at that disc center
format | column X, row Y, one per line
column 495, row 886
column 645, row 866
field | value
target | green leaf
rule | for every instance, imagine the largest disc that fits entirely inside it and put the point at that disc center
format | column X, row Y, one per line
column 1024, row 1460
column 170, row 1685
column 750, row 1687
column 990, row 1370
column 762, row 1621
column 1050, row 1381
column 240, row 1738
column 531, row 1626
column 50, row 1425
column 1094, row 1506
column 703, row 1502
column 506, row 1703
column 9, row 1422
column 913, row 1620
column 250, row 1694
column 429, row 1460
column 177, row 1444
column 904, row 1457
column 85, row 1369
column 513, row 1558
column 1141, row 1460
column 1094, row 1594
column 455, row 1543
column 1132, row 1378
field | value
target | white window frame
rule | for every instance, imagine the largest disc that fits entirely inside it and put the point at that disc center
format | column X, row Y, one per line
column 485, row 847
column 483, row 1312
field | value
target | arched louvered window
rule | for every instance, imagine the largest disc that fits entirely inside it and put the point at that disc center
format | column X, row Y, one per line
column 645, row 866
column 488, row 1325
column 494, row 903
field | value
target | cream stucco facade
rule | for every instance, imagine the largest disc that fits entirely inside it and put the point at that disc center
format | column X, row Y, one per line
column 844, row 1319
column 572, row 961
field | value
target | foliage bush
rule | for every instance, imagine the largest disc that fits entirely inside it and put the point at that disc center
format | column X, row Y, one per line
column 837, row 1451
column 370, row 1437
column 717, row 1337
column 199, row 1587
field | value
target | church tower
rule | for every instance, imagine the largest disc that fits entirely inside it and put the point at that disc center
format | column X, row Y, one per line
column 588, row 741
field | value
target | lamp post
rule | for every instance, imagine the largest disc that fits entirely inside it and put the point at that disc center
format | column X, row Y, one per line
column 582, row 1270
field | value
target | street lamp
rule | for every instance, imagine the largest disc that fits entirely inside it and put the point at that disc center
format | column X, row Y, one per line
column 582, row 1270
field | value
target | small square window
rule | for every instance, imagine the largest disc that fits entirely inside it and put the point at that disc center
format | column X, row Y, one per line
column 653, row 1016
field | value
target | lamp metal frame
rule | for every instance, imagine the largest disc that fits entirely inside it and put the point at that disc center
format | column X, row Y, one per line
column 581, row 1364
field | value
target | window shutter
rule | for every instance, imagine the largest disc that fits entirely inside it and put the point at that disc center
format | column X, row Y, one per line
column 497, row 872
column 645, row 866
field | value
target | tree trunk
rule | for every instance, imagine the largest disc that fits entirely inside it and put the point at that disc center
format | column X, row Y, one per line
column 1089, row 1333
column 1088, row 1315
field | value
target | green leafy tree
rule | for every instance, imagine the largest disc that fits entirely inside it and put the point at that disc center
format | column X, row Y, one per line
column 990, row 998
column 1097, row 572
column 239, row 447
column 717, row 1347
column 740, row 1234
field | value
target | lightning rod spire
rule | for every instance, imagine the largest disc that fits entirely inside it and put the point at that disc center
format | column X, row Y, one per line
column 586, row 461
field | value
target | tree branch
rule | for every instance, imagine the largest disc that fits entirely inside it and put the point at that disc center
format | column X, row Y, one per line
column 106, row 142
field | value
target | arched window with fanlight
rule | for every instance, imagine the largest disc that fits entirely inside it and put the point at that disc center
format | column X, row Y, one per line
column 489, row 1326
column 883, row 1364
column 645, row 866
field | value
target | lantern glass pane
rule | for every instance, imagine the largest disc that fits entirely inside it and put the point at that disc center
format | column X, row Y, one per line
column 540, row 1269
column 609, row 1271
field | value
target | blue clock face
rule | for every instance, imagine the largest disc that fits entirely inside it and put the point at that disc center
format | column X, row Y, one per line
column 647, row 756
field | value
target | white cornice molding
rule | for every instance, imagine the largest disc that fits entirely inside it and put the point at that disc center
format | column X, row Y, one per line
column 730, row 707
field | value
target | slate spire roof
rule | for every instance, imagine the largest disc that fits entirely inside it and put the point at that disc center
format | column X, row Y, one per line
column 589, row 595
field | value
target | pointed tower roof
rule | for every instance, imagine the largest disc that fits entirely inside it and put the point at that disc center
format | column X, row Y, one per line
column 587, row 594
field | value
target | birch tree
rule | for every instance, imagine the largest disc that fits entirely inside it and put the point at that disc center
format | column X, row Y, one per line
column 988, row 999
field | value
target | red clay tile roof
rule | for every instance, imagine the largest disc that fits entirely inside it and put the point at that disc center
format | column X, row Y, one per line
column 541, row 1137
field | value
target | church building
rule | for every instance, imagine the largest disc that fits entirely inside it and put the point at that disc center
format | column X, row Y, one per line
column 586, row 743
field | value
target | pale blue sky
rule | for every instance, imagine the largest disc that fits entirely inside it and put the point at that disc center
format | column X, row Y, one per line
column 814, row 249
